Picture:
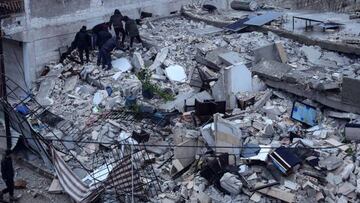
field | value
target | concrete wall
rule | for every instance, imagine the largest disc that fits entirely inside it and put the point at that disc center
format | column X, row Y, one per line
column 48, row 25
column 14, row 63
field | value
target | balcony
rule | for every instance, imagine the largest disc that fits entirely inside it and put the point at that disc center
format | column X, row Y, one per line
column 10, row 7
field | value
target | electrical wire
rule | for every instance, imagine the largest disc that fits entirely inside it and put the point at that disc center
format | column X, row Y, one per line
column 179, row 146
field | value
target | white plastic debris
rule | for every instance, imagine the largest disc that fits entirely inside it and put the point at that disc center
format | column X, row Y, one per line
column 121, row 64
column 176, row 73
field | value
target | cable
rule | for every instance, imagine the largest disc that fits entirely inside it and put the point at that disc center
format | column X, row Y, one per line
column 173, row 145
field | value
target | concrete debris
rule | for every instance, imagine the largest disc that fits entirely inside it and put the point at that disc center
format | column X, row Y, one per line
column 241, row 132
column 331, row 163
column 138, row 62
column 55, row 187
column 273, row 52
column 231, row 183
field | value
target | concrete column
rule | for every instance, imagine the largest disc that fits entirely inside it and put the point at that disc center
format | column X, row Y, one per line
column 29, row 63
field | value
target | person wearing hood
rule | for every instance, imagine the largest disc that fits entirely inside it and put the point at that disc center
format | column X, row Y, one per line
column 132, row 30
column 83, row 43
column 116, row 22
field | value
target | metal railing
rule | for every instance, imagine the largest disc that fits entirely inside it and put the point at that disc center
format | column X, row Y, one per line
column 10, row 7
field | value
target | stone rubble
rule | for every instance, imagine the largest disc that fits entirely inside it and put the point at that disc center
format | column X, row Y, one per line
column 329, row 169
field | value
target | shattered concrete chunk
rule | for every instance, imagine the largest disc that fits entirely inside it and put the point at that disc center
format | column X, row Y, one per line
column 346, row 188
column 271, row 69
column 138, row 62
column 45, row 90
column 232, row 58
column 231, row 183
column 273, row 52
column 70, row 83
column 331, row 163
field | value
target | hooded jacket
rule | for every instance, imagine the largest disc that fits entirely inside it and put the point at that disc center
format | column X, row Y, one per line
column 82, row 39
column 116, row 20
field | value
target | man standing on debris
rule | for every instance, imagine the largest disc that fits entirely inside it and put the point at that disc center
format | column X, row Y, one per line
column 116, row 22
column 105, row 53
column 7, row 172
column 132, row 30
column 83, row 43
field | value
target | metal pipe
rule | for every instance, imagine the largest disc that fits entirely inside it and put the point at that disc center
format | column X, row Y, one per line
column 3, row 90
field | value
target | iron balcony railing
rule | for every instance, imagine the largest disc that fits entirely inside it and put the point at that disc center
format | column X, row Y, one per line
column 10, row 7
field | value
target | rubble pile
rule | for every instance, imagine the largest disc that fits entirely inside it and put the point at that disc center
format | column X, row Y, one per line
column 232, row 138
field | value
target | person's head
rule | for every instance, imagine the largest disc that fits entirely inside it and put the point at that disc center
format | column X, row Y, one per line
column 83, row 28
column 117, row 12
column 126, row 18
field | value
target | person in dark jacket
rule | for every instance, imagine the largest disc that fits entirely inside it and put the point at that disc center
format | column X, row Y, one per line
column 7, row 172
column 97, row 29
column 116, row 22
column 102, row 36
column 105, row 53
column 132, row 30
column 83, row 43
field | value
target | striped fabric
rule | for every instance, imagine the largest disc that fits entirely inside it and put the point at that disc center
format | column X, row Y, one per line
column 71, row 184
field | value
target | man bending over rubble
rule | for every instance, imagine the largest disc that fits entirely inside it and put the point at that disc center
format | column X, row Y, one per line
column 105, row 53
column 7, row 172
column 132, row 30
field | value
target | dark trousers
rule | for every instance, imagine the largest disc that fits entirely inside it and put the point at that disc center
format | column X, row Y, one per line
column 117, row 34
column 9, row 187
column 81, row 53
column 132, row 39
column 105, row 58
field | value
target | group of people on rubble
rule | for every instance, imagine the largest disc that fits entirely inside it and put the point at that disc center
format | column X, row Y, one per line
column 103, row 39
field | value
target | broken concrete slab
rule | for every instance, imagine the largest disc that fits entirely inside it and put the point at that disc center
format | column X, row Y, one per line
column 278, row 194
column 234, row 79
column 213, row 56
column 45, row 90
column 121, row 64
column 55, row 187
column 185, row 153
column 346, row 188
column 160, row 58
column 137, row 62
column 350, row 87
column 227, row 134
column 231, row 183
column 273, row 52
column 331, row 163
column 271, row 69
column 232, row 58
column 312, row 53
column 70, row 83
column 176, row 73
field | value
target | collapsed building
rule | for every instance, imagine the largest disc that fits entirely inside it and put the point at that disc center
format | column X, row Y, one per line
column 241, row 105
